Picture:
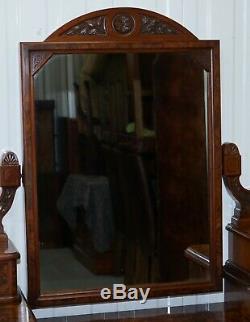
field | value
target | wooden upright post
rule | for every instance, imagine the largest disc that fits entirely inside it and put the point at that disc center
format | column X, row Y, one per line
column 9, row 182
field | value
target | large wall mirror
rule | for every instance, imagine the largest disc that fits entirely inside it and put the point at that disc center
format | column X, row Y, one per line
column 122, row 172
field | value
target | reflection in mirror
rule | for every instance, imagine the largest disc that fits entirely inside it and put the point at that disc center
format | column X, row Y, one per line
column 122, row 170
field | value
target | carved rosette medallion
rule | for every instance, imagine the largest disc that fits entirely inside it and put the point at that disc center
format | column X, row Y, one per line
column 95, row 26
column 151, row 25
column 123, row 24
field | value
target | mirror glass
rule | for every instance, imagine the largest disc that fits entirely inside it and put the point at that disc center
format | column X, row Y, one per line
column 122, row 169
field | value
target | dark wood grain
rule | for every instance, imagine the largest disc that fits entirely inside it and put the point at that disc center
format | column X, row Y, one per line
column 9, row 292
column 182, row 152
column 16, row 312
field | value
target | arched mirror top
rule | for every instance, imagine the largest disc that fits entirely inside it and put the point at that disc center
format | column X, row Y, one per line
column 117, row 94
column 115, row 25
column 120, row 24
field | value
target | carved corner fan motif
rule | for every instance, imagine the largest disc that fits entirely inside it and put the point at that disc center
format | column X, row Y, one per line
column 123, row 24
column 38, row 59
column 95, row 26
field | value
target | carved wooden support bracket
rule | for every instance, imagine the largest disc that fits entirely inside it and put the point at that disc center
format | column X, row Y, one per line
column 10, row 176
column 237, row 267
column 231, row 177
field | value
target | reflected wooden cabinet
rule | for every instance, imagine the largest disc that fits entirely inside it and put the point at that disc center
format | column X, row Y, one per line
column 146, row 189
column 45, row 135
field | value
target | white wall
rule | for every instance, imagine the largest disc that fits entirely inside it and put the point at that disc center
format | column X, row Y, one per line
column 29, row 20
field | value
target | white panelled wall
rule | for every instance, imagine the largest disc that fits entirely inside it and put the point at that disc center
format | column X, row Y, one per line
column 29, row 20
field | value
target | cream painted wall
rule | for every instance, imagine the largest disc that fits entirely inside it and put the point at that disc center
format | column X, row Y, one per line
column 29, row 20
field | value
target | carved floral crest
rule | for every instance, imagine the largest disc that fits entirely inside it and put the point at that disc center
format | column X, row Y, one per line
column 95, row 26
column 150, row 25
column 123, row 24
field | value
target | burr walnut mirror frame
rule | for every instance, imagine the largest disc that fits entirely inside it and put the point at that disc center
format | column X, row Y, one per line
column 142, row 129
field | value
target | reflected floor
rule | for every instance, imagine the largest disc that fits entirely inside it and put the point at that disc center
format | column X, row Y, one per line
column 60, row 270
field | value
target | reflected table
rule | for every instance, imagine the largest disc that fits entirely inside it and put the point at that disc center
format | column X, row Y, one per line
column 93, row 194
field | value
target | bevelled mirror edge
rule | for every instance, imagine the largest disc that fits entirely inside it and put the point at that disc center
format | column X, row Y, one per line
column 34, row 56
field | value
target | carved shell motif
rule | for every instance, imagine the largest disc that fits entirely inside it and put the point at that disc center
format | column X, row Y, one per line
column 9, row 158
column 151, row 25
column 231, row 148
column 95, row 26
column 7, row 195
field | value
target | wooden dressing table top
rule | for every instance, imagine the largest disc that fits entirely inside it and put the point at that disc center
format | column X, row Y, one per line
column 19, row 312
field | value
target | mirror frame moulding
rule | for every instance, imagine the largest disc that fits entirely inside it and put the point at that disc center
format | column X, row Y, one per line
column 112, row 31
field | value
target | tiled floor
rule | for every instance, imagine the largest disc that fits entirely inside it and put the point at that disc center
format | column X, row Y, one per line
column 199, row 313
